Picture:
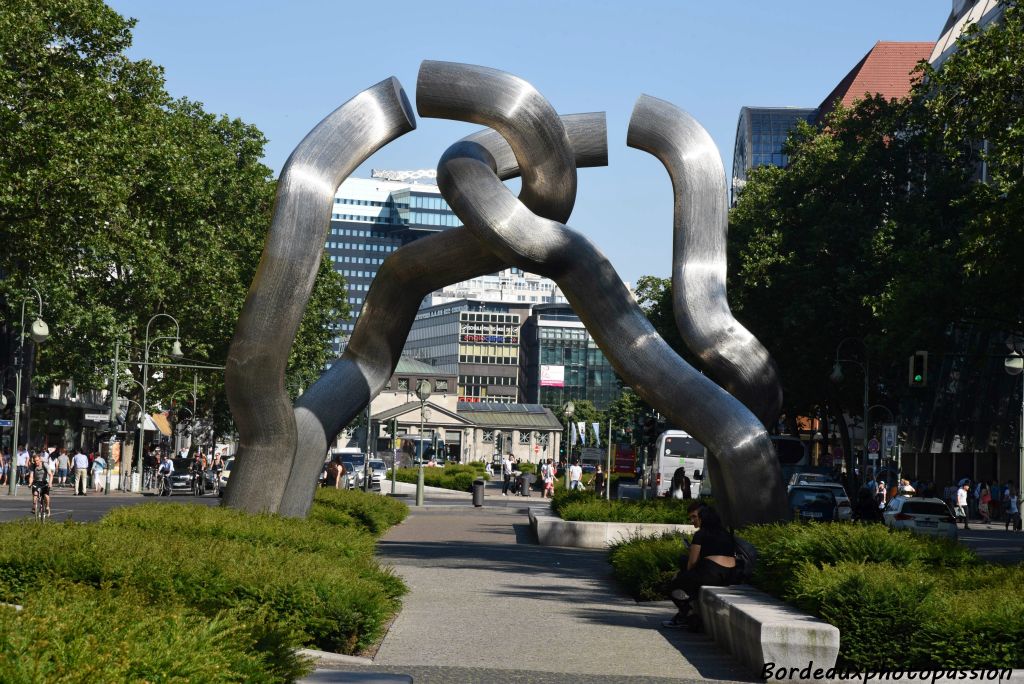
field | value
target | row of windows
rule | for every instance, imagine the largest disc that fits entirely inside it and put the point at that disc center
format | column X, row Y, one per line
column 579, row 334
column 476, row 400
column 420, row 202
column 478, row 391
column 563, row 356
column 489, row 317
column 356, row 260
column 425, row 219
column 355, row 232
column 361, row 203
column 358, row 287
column 358, row 217
column 488, row 350
column 497, row 339
column 356, row 274
column 364, row 247
column 403, row 385
column 495, row 360
column 355, row 300
column 504, row 380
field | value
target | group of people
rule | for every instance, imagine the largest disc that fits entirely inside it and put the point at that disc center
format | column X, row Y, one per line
column 46, row 468
column 990, row 502
column 548, row 471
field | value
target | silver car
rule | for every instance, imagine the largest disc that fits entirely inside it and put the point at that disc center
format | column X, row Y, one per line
column 920, row 515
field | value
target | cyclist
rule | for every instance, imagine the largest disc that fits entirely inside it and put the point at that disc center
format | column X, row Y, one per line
column 164, row 475
column 39, row 479
column 196, row 468
column 217, row 467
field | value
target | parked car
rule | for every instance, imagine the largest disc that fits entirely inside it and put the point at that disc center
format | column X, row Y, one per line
column 924, row 516
column 378, row 472
column 809, row 502
column 353, row 477
column 226, row 473
column 804, row 478
column 844, row 507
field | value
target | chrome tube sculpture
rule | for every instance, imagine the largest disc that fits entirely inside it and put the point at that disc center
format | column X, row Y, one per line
column 280, row 291
column 285, row 449
column 407, row 275
column 727, row 351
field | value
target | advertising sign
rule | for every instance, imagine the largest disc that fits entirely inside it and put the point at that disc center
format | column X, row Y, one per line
column 552, row 376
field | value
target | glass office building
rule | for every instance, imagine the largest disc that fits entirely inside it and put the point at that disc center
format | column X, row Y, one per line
column 760, row 135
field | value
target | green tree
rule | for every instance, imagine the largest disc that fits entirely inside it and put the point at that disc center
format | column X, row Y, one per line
column 118, row 202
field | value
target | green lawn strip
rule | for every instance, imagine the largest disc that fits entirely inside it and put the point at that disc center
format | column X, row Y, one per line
column 900, row 601
column 284, row 583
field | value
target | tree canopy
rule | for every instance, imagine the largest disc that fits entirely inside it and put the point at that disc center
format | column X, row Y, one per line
column 119, row 202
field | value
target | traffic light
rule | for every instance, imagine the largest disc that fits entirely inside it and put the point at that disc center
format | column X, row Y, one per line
column 918, row 371
column 650, row 430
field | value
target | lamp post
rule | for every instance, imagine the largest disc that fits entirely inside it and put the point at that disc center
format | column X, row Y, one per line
column 423, row 390
column 568, row 410
column 1014, row 365
column 38, row 332
column 175, row 354
column 837, row 377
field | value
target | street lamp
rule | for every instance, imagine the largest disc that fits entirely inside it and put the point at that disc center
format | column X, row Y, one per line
column 837, row 377
column 38, row 332
column 423, row 390
column 1014, row 365
column 568, row 410
column 175, row 353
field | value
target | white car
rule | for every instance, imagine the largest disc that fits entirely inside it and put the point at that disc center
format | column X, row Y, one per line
column 378, row 472
column 844, row 508
column 226, row 473
column 924, row 516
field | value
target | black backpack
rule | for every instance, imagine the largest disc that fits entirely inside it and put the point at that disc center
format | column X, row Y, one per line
column 746, row 561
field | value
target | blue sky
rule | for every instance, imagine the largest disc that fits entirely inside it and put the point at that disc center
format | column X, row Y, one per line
column 283, row 66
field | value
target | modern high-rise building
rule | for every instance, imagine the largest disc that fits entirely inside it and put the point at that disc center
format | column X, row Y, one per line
column 760, row 134
column 510, row 286
column 561, row 361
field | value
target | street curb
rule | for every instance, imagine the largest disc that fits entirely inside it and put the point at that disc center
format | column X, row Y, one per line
column 551, row 530
column 326, row 658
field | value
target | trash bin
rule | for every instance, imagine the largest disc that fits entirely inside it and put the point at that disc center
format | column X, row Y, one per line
column 478, row 493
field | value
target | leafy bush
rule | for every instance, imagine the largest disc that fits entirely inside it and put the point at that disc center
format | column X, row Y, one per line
column 75, row 633
column 586, row 506
column 459, row 480
column 646, row 564
column 372, row 512
column 336, row 601
column 946, row 608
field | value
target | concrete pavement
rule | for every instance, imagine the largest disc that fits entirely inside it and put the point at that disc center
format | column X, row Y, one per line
column 487, row 604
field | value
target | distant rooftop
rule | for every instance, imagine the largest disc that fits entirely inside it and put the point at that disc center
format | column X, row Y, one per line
column 418, row 174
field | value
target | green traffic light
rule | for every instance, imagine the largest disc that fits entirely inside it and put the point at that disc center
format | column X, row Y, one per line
column 918, row 378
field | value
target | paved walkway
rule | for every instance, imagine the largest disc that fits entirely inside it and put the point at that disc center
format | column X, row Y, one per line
column 487, row 604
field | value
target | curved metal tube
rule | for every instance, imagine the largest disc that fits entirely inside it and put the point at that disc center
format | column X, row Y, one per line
column 638, row 354
column 727, row 351
column 407, row 275
column 254, row 378
column 514, row 108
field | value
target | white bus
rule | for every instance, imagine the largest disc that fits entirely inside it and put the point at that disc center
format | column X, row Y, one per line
column 677, row 449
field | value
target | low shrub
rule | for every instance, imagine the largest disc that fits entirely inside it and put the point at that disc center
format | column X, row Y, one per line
column 458, row 480
column 336, row 602
column 585, row 505
column 644, row 565
column 75, row 633
column 372, row 512
column 899, row 600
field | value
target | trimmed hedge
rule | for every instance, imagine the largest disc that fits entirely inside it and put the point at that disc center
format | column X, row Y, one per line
column 452, row 476
column 76, row 633
column 900, row 601
column 586, row 506
column 280, row 583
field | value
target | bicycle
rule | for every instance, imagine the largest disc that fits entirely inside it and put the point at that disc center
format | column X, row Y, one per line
column 149, row 478
column 163, row 484
column 37, row 505
column 198, row 488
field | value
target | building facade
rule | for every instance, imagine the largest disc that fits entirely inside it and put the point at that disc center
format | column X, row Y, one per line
column 760, row 135
column 561, row 361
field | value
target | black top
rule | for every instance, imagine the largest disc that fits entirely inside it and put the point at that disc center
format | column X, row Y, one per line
column 714, row 543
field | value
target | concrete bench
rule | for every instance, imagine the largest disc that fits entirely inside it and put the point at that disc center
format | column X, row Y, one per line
column 553, row 531
column 758, row 630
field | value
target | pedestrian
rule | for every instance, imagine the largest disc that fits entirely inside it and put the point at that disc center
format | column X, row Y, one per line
column 506, row 473
column 599, row 481
column 984, row 501
column 548, row 472
column 5, row 465
column 905, row 488
column 63, row 467
column 710, row 561
column 961, row 503
column 1012, row 500
column 39, row 479
column 575, row 476
column 22, row 465
column 680, row 486
column 80, row 462
column 99, row 467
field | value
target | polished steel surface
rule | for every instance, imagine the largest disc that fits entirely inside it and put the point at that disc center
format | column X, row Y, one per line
column 254, row 378
column 407, row 275
column 727, row 351
column 750, row 481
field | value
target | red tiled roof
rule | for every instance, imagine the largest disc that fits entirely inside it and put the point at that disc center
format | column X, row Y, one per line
column 884, row 70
